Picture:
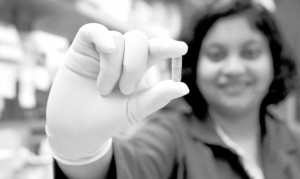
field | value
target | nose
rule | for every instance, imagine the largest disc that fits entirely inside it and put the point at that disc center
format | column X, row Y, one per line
column 233, row 66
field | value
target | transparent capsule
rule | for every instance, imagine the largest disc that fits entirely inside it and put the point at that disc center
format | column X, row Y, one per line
column 176, row 69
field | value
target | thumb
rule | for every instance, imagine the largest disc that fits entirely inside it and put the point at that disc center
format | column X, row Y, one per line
column 153, row 99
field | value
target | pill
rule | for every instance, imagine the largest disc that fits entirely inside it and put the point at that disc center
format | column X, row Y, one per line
column 176, row 68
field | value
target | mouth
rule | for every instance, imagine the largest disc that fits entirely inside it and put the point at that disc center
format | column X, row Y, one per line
column 234, row 88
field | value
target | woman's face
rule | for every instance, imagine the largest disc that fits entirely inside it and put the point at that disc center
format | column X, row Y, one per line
column 235, row 68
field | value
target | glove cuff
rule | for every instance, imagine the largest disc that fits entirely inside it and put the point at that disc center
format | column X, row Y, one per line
column 102, row 151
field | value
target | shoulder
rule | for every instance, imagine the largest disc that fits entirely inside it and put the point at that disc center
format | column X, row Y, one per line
column 282, row 129
column 295, row 133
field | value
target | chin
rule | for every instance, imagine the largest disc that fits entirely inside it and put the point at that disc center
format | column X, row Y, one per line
column 235, row 106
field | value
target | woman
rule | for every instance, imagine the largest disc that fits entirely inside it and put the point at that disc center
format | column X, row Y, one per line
column 236, row 66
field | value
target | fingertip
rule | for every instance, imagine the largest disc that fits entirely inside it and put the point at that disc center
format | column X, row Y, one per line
column 104, row 92
column 179, row 87
column 184, row 47
column 180, row 48
column 103, row 86
column 107, row 45
column 185, row 89
column 100, row 89
column 127, row 89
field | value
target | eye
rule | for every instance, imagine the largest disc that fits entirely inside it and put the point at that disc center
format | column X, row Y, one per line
column 252, row 51
column 215, row 53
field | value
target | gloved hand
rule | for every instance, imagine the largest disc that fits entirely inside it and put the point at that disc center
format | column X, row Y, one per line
column 99, row 90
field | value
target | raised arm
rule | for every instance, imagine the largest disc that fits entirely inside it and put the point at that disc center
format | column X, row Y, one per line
column 99, row 91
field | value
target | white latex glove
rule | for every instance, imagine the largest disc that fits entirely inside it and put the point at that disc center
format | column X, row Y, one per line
column 99, row 92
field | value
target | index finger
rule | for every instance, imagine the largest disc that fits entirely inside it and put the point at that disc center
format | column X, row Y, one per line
column 111, row 66
column 162, row 48
column 91, row 37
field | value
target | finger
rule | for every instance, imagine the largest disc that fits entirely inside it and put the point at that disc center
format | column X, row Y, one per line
column 155, row 98
column 111, row 65
column 150, row 78
column 162, row 48
column 135, row 61
column 92, row 39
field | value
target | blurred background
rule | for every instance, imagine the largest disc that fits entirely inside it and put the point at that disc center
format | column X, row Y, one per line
column 35, row 34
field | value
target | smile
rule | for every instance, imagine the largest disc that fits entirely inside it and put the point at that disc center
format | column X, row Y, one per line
column 234, row 88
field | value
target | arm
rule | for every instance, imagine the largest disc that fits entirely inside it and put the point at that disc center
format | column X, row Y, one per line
column 99, row 92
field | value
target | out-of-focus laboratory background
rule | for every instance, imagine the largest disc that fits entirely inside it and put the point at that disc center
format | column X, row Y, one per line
column 35, row 34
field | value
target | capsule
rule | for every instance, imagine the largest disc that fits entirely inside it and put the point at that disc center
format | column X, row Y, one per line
column 176, row 69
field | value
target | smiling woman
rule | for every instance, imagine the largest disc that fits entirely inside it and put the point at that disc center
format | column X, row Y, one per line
column 234, row 74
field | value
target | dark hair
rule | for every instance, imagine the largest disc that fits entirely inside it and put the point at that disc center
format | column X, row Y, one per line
column 285, row 72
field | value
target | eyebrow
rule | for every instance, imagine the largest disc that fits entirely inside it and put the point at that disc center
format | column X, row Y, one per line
column 259, row 42
column 249, row 41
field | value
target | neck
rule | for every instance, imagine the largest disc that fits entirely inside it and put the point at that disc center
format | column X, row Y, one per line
column 238, row 127
column 244, row 130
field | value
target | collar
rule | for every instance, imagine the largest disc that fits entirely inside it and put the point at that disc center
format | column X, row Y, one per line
column 277, row 136
column 205, row 132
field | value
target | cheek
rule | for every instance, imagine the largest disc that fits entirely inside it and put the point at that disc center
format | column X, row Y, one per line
column 264, row 73
column 206, row 75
